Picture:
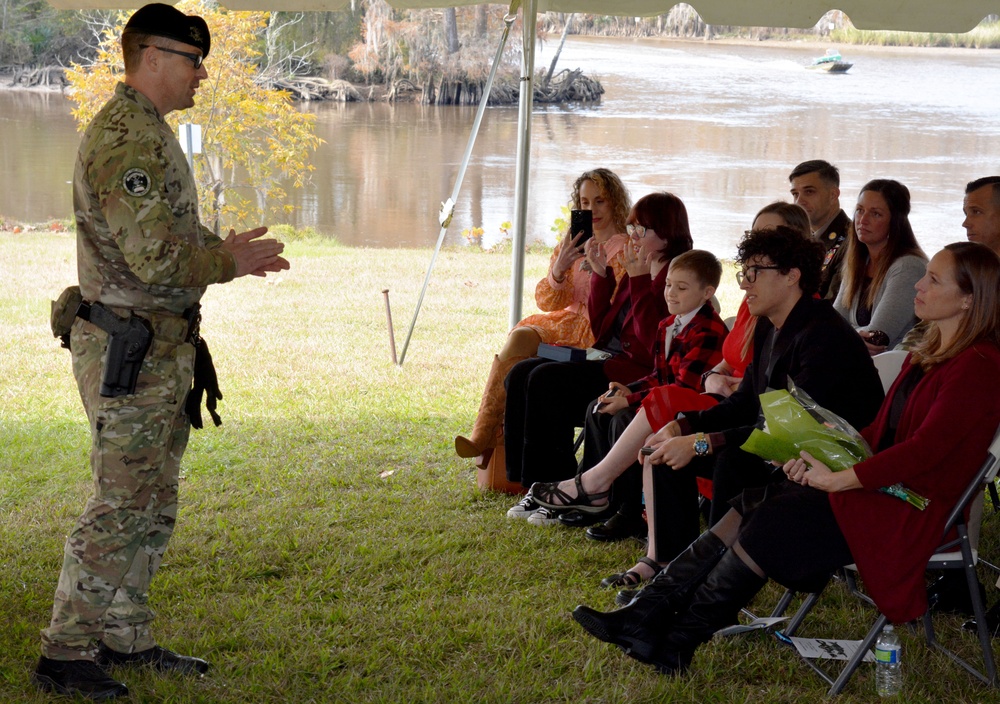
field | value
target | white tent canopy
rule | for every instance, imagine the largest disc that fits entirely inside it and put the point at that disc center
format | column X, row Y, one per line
column 904, row 15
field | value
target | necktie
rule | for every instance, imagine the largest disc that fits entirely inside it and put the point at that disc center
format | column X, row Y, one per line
column 674, row 329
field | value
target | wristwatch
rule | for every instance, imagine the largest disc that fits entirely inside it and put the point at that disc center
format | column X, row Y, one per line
column 700, row 445
column 704, row 377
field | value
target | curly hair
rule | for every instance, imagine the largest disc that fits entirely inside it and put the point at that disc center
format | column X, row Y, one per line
column 665, row 214
column 787, row 249
column 612, row 188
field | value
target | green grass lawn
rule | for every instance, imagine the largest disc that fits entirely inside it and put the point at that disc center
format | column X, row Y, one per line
column 331, row 547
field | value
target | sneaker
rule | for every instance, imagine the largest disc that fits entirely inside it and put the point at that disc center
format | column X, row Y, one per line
column 544, row 517
column 523, row 508
column 77, row 677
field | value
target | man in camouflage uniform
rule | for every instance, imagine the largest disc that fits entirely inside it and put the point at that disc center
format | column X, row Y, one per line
column 141, row 251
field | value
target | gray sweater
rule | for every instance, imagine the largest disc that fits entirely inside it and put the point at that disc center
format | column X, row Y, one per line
column 892, row 312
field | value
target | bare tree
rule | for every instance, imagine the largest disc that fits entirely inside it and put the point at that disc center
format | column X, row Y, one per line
column 451, row 30
column 282, row 62
column 552, row 66
column 481, row 20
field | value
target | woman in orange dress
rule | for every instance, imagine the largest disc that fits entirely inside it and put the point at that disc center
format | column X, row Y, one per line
column 562, row 296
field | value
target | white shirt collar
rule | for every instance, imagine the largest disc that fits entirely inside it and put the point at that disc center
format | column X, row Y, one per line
column 686, row 319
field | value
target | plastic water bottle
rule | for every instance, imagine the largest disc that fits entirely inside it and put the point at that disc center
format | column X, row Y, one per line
column 888, row 676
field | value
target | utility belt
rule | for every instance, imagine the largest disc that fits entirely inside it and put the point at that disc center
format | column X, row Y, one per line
column 129, row 339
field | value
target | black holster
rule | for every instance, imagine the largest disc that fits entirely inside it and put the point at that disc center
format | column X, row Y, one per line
column 128, row 342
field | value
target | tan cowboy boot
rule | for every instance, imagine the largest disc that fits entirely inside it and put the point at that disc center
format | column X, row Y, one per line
column 486, row 432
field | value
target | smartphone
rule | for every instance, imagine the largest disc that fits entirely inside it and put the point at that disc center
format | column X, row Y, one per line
column 878, row 338
column 581, row 221
column 609, row 394
column 647, row 450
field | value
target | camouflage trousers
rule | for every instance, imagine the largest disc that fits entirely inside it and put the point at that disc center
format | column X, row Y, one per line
column 118, row 543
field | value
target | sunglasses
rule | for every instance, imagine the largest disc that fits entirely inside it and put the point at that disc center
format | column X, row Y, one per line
column 195, row 59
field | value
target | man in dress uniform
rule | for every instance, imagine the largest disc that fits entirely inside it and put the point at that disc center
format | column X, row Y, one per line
column 144, row 261
column 816, row 187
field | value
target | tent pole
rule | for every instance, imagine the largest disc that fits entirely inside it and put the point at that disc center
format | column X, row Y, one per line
column 448, row 207
column 529, row 17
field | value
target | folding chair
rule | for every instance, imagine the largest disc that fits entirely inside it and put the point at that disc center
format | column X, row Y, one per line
column 889, row 364
column 959, row 553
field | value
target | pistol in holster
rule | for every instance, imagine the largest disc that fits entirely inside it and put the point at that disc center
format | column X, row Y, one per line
column 128, row 341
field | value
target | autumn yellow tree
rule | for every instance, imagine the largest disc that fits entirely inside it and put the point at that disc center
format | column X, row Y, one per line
column 254, row 140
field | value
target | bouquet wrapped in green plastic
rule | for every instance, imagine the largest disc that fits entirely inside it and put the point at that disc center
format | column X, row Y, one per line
column 794, row 422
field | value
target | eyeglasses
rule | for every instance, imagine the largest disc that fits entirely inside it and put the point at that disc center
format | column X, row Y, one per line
column 749, row 274
column 195, row 59
column 637, row 231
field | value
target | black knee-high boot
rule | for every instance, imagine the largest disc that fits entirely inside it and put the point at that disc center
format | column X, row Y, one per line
column 714, row 605
column 637, row 627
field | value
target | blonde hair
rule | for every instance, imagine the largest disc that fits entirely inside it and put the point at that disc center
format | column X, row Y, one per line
column 977, row 273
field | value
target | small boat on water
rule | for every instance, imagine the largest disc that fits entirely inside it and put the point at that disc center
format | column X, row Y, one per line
column 831, row 62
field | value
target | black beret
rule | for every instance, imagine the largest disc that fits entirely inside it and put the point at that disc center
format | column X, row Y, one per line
column 161, row 20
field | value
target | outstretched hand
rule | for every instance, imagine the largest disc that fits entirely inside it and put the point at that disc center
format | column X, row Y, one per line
column 255, row 256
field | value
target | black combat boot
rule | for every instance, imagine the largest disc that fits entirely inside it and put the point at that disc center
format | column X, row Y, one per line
column 156, row 658
column 714, row 605
column 77, row 678
column 636, row 627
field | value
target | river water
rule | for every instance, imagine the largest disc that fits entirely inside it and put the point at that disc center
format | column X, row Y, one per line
column 719, row 125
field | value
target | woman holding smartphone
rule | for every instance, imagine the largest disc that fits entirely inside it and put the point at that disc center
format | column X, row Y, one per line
column 562, row 296
column 547, row 399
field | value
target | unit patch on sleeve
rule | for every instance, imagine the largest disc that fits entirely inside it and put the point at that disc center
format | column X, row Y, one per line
column 136, row 182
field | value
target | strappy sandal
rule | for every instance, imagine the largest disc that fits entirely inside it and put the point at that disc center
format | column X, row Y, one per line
column 549, row 495
column 630, row 578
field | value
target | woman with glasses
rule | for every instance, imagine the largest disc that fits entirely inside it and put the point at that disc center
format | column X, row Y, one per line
column 724, row 378
column 882, row 263
column 547, row 400
column 562, row 296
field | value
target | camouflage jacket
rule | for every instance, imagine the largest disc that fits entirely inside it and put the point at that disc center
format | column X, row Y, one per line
column 140, row 244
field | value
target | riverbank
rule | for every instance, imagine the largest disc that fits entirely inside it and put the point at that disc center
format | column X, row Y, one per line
column 983, row 38
column 820, row 45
